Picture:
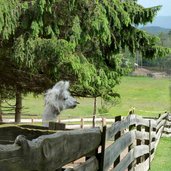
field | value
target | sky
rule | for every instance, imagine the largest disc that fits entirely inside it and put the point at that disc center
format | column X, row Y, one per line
column 166, row 6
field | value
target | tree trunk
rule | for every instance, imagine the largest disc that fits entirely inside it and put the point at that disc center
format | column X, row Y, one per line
column 94, row 111
column 18, row 106
column 0, row 109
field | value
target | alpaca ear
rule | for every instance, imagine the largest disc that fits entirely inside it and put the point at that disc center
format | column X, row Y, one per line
column 66, row 85
column 59, row 85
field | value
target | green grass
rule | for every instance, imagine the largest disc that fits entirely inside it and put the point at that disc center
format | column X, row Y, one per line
column 162, row 156
column 149, row 96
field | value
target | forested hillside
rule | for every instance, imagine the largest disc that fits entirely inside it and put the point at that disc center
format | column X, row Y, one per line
column 161, row 21
column 155, row 29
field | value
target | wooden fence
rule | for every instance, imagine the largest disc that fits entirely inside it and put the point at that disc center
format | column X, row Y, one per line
column 167, row 127
column 134, row 142
column 128, row 144
column 71, row 123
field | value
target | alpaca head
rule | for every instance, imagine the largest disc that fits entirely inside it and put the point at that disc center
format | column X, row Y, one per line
column 57, row 99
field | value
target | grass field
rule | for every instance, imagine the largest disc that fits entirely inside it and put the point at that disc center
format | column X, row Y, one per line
column 149, row 96
column 162, row 156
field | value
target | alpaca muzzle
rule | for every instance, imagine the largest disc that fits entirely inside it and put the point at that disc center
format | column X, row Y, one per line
column 76, row 103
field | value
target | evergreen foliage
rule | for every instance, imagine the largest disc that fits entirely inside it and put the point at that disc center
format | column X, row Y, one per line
column 43, row 41
column 162, row 64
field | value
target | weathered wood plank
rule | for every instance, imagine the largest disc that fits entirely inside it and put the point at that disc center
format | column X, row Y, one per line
column 139, row 142
column 113, row 151
column 167, row 130
column 166, row 135
column 158, row 135
column 131, row 156
column 125, row 162
column 160, row 124
column 48, row 152
column 129, row 120
column 144, row 165
column 169, row 117
column 117, row 136
column 142, row 149
column 150, row 143
column 90, row 165
column 37, row 127
column 144, row 135
column 168, row 123
column 9, row 133
column 163, row 116
column 103, row 146
column 130, row 147
column 159, row 132
column 57, row 126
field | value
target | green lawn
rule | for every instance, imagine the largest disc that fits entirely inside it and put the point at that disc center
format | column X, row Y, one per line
column 162, row 156
column 149, row 96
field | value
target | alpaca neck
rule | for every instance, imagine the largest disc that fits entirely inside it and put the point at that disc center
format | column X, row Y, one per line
column 49, row 115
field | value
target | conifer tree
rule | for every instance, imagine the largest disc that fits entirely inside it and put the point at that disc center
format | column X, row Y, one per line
column 43, row 41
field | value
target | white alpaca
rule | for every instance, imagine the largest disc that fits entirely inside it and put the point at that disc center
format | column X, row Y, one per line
column 57, row 99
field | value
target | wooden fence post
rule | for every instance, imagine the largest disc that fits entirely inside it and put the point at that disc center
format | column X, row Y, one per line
column 166, row 118
column 103, row 144
column 103, row 122
column 57, row 126
column 131, row 166
column 150, row 140
column 52, row 125
column 82, row 123
column 118, row 135
column 139, row 142
column 59, row 119
column 153, row 139
column 147, row 142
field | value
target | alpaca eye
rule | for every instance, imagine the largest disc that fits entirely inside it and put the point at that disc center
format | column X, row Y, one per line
column 65, row 98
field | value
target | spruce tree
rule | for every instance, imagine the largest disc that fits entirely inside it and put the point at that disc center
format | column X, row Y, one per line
column 44, row 41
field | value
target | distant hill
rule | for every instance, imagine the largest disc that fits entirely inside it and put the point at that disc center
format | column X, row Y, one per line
column 155, row 29
column 161, row 21
column 160, row 24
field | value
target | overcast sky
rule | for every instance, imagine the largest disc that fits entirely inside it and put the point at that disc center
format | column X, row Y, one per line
column 166, row 6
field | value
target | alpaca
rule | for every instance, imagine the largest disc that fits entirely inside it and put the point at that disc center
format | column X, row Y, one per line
column 57, row 99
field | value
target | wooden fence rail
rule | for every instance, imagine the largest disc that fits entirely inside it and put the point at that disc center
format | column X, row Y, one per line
column 72, row 123
column 48, row 152
column 128, row 144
